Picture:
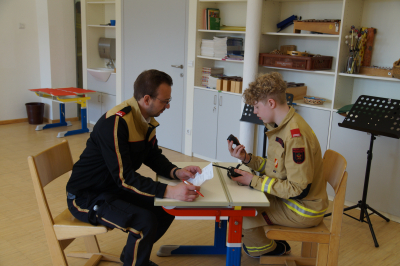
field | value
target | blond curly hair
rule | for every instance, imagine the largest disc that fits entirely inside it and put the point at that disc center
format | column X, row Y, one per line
column 267, row 86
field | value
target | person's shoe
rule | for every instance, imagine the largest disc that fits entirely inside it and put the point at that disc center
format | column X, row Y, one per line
column 278, row 251
column 152, row 263
column 287, row 246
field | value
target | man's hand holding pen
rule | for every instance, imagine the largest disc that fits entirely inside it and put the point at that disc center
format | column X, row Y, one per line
column 182, row 191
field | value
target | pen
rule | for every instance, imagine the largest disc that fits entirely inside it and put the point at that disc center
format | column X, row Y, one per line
column 194, row 190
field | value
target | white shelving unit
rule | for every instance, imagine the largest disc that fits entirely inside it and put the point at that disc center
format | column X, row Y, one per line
column 95, row 16
column 339, row 89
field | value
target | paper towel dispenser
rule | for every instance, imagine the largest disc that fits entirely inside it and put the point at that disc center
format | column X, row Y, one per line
column 107, row 48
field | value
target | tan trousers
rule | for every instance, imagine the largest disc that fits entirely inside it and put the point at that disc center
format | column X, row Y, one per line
column 255, row 228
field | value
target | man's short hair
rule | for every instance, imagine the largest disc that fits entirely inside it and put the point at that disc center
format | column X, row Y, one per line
column 148, row 81
column 267, row 86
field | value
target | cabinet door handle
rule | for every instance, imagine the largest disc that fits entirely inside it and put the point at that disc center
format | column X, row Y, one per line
column 178, row 66
column 215, row 99
column 220, row 100
column 98, row 98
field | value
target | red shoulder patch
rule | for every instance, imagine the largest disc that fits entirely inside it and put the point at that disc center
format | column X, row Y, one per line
column 120, row 113
column 295, row 132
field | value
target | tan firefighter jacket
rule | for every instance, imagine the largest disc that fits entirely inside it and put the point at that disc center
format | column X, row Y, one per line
column 293, row 171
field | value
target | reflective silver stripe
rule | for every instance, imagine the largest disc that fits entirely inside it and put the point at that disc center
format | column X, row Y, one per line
column 266, row 184
column 261, row 169
column 301, row 210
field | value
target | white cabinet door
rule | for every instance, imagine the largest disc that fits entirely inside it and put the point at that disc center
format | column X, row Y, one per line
column 318, row 121
column 108, row 101
column 205, row 115
column 229, row 114
column 94, row 107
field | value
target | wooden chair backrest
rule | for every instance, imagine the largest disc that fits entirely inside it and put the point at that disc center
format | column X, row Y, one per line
column 45, row 167
column 334, row 172
column 334, row 167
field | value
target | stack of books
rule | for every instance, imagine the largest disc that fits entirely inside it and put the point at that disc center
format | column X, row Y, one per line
column 211, row 19
column 207, row 47
column 220, row 47
column 235, row 48
column 223, row 47
column 208, row 72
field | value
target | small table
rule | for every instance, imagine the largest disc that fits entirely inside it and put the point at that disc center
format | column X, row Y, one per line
column 224, row 200
column 63, row 95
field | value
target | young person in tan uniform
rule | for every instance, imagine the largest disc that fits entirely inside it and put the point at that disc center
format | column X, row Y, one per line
column 291, row 177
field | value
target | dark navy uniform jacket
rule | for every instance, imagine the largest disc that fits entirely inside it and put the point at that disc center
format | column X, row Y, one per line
column 121, row 141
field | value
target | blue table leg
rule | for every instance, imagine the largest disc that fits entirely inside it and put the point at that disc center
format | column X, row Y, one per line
column 84, row 128
column 219, row 247
column 60, row 124
column 233, row 255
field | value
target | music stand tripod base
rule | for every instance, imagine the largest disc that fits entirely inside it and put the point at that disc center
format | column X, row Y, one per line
column 377, row 116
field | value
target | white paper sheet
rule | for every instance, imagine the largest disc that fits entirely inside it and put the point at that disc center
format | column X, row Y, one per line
column 206, row 174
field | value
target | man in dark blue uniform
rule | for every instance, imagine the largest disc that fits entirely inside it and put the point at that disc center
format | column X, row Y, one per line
column 105, row 188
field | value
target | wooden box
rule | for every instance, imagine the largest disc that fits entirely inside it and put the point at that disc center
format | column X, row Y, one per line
column 296, row 62
column 219, row 84
column 379, row 72
column 329, row 27
column 236, row 86
column 298, row 92
column 285, row 48
column 226, row 85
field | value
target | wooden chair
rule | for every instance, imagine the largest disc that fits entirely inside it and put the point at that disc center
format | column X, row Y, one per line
column 63, row 229
column 320, row 245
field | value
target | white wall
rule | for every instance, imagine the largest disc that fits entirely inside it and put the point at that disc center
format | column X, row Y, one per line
column 19, row 64
column 41, row 55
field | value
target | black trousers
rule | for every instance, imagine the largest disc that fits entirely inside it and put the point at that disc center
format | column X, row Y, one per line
column 132, row 213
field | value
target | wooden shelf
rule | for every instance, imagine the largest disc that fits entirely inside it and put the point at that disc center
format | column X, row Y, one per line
column 101, row 26
column 102, row 3
column 368, row 77
column 223, row 31
column 327, row 105
column 208, row 89
column 220, row 59
column 327, row 72
column 303, row 35
column 215, row 1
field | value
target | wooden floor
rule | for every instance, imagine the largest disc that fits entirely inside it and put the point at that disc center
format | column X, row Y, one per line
column 22, row 239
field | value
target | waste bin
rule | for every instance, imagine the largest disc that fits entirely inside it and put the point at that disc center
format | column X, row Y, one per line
column 35, row 113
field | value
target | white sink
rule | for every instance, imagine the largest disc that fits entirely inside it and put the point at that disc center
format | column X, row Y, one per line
column 102, row 74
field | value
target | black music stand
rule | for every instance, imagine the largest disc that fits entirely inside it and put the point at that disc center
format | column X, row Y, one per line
column 377, row 116
column 249, row 116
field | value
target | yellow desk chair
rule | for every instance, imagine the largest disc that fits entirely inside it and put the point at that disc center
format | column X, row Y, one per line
column 64, row 228
column 320, row 244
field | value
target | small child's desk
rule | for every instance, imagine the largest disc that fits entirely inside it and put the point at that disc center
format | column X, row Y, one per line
column 63, row 95
column 222, row 198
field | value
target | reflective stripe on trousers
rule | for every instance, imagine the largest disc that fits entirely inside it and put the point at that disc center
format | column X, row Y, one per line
column 301, row 210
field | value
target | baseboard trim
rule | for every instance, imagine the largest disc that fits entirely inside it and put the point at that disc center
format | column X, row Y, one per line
column 390, row 216
column 13, row 121
column 45, row 120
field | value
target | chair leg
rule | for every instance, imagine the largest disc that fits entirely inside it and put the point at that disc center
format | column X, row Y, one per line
column 290, row 263
column 94, row 260
column 322, row 256
column 91, row 244
column 309, row 249
column 333, row 254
